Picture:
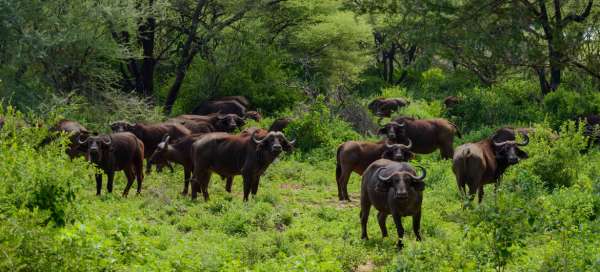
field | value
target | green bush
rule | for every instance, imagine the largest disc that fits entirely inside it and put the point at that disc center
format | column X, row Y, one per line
column 510, row 102
column 567, row 104
column 557, row 162
column 317, row 128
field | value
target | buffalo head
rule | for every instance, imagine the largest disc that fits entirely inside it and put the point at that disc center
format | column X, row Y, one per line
column 254, row 115
column 95, row 146
column 393, row 130
column 397, row 152
column 509, row 151
column 400, row 182
column 274, row 142
column 121, row 126
column 160, row 150
column 228, row 122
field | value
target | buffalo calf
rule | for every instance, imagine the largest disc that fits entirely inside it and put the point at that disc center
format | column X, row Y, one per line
column 393, row 188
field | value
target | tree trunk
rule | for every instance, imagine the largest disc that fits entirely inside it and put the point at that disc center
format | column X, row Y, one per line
column 146, row 36
column 187, row 55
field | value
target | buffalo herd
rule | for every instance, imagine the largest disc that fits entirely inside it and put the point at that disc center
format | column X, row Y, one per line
column 205, row 143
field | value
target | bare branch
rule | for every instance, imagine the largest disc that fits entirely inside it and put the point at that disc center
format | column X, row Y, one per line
column 579, row 18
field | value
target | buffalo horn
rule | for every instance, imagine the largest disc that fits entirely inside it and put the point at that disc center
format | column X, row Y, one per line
column 525, row 140
column 378, row 173
column 258, row 141
column 107, row 142
column 422, row 176
column 80, row 141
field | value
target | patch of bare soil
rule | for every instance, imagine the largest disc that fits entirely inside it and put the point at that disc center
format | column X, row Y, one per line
column 368, row 267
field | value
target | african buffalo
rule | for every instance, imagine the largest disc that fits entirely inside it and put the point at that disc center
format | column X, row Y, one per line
column 151, row 135
column 219, row 122
column 223, row 107
column 180, row 153
column 280, row 124
column 116, row 152
column 393, row 188
column 74, row 129
column 427, row 135
column 238, row 98
column 384, row 107
column 355, row 156
column 484, row 162
column 230, row 155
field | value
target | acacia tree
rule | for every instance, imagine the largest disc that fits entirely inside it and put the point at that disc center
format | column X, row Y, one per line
column 558, row 36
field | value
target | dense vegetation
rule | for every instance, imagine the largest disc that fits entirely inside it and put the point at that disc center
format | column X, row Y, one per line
column 516, row 63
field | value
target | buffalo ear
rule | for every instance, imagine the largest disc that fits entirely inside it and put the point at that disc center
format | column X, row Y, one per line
column 382, row 131
column 521, row 154
column 287, row 147
column 409, row 155
column 418, row 185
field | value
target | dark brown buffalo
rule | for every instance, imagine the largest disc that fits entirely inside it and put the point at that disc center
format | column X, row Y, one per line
column 116, row 152
column 484, row 162
column 238, row 98
column 231, row 155
column 219, row 122
column 254, row 115
column 223, row 107
column 151, row 135
column 180, row 152
column 426, row 135
column 355, row 156
column 195, row 126
column 280, row 124
column 451, row 101
column 74, row 129
column 393, row 188
column 384, row 107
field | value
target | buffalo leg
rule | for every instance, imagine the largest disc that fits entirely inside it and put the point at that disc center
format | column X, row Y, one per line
column 343, row 184
column 98, row 183
column 447, row 152
column 365, row 208
column 472, row 191
column 247, row 186
column 229, row 184
column 255, row 182
column 204, row 184
column 399, row 229
column 148, row 167
column 130, row 177
column 200, row 184
column 109, row 182
column 480, row 193
column 417, row 225
column 381, row 219
column 139, row 173
column 186, row 180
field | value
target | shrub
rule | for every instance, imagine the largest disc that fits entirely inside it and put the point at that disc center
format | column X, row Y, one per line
column 318, row 128
column 556, row 162
column 566, row 104
column 513, row 101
